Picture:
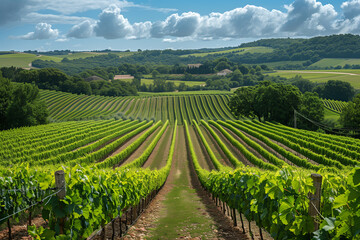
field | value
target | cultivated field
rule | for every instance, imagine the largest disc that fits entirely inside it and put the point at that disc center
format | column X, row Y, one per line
column 235, row 50
column 207, row 170
column 322, row 76
column 23, row 60
column 333, row 62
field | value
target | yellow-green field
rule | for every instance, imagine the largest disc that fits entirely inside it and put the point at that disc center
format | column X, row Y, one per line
column 177, row 82
column 235, row 50
column 23, row 60
column 321, row 76
column 280, row 63
column 333, row 62
column 215, row 92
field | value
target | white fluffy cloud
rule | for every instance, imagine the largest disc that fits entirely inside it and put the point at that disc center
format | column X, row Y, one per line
column 249, row 21
column 177, row 26
column 351, row 9
column 82, row 30
column 111, row 25
column 301, row 18
column 309, row 17
column 42, row 31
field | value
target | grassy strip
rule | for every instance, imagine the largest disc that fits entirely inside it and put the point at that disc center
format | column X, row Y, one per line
column 295, row 146
column 250, row 156
column 70, row 156
column 118, row 158
column 313, row 145
column 145, row 155
column 289, row 155
column 69, row 142
column 103, row 152
column 223, row 147
column 266, row 154
column 216, row 162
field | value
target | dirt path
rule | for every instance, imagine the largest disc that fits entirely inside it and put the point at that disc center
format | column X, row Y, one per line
column 247, row 146
column 159, row 155
column 267, row 148
column 201, row 153
column 233, row 149
column 182, row 210
column 220, row 155
column 137, row 153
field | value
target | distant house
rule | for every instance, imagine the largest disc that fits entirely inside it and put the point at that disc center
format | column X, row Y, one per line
column 224, row 72
column 196, row 65
column 121, row 77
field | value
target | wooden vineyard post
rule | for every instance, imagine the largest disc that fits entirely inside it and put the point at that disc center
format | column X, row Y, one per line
column 61, row 184
column 234, row 216
column 315, row 199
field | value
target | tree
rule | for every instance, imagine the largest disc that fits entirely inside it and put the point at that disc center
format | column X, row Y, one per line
column 237, row 76
column 311, row 107
column 159, row 85
column 337, row 90
column 242, row 101
column 154, row 74
column 222, row 65
column 20, row 106
column 304, row 85
column 5, row 100
column 268, row 101
column 350, row 115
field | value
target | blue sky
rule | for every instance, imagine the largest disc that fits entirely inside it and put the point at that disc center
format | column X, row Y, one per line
column 159, row 24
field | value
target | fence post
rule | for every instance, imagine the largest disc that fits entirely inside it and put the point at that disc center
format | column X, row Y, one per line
column 315, row 199
column 61, row 184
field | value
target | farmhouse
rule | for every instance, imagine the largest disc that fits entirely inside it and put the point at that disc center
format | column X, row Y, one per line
column 224, row 72
column 120, row 77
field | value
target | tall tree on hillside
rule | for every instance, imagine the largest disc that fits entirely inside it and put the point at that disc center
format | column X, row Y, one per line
column 350, row 115
column 22, row 107
column 311, row 107
column 267, row 101
column 336, row 90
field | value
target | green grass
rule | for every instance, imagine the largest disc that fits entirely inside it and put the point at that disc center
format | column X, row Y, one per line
column 23, row 59
column 333, row 62
column 176, row 82
column 279, row 64
column 238, row 51
column 322, row 76
column 180, row 216
column 331, row 118
column 184, row 93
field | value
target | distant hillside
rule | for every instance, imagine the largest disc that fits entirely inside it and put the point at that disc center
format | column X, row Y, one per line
column 278, row 43
column 280, row 53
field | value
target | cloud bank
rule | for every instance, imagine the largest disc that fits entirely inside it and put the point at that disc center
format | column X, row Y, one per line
column 305, row 18
column 42, row 31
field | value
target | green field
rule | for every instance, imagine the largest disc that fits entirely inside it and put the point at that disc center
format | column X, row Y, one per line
column 279, row 64
column 333, row 62
column 215, row 92
column 235, row 50
column 322, row 76
column 188, row 145
column 24, row 59
column 176, row 82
